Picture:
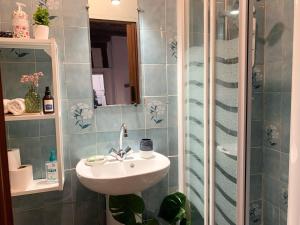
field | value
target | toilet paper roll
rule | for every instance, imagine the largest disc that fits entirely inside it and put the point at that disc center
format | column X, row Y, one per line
column 21, row 178
column 14, row 159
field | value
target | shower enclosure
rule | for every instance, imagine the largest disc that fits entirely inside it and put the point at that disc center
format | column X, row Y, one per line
column 236, row 62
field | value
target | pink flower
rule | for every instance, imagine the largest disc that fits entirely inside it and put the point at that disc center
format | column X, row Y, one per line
column 32, row 79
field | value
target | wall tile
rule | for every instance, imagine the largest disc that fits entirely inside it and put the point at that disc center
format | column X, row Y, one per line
column 255, row 216
column 23, row 129
column 284, row 167
column 256, row 134
column 285, row 122
column 11, row 75
column 156, row 112
column 270, row 215
column 106, row 141
column 87, row 213
column 32, row 217
column 173, row 174
column 153, row 196
column 58, row 214
column 75, row 52
column 272, row 192
column 75, row 15
column 26, row 203
column 47, row 127
column 271, row 160
column 159, row 137
column 30, row 150
column 172, row 79
column 134, row 117
column 108, row 118
column 153, row 16
column 81, row 116
column 272, row 106
column 173, row 141
column 273, row 77
column 255, row 187
column 59, row 197
column 256, row 160
column 81, row 194
column 155, row 80
column 257, row 106
column 81, row 146
column 150, row 40
column 78, row 81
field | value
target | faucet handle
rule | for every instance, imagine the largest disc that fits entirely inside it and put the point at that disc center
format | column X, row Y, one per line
column 112, row 150
column 127, row 149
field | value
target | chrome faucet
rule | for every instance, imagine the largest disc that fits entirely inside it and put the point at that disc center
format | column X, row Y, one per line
column 121, row 153
column 123, row 133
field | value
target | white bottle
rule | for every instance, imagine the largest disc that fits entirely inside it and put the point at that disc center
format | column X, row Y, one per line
column 20, row 23
column 51, row 168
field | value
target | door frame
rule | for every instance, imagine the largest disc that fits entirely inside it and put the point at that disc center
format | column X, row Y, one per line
column 6, row 216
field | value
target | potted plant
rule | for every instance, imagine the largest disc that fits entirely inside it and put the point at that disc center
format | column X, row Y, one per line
column 128, row 210
column 41, row 21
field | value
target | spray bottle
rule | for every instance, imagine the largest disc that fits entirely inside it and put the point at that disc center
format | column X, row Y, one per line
column 20, row 22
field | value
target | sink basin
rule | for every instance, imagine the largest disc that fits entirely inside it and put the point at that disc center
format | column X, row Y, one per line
column 134, row 174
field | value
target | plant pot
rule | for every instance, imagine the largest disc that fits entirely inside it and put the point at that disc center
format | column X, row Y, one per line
column 41, row 32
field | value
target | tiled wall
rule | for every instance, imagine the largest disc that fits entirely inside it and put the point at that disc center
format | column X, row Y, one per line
column 271, row 114
column 156, row 118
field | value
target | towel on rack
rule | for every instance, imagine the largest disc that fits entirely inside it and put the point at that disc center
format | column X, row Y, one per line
column 16, row 106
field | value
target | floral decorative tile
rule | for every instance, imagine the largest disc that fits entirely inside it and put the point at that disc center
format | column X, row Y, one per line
column 257, row 78
column 271, row 135
column 82, row 115
column 156, row 109
column 255, row 213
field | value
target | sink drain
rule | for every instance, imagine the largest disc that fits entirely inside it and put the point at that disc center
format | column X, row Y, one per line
column 132, row 165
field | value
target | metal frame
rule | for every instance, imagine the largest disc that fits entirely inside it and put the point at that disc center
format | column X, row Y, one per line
column 294, row 164
column 212, row 113
column 242, row 114
column 181, row 88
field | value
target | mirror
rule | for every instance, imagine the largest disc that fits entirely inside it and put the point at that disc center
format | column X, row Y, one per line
column 114, row 52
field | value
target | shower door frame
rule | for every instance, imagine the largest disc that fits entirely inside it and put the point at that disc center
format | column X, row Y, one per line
column 294, row 163
column 209, row 93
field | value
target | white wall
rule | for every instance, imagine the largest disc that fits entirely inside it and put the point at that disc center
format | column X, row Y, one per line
column 103, row 9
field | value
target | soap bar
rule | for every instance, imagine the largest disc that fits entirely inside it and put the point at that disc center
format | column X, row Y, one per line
column 95, row 160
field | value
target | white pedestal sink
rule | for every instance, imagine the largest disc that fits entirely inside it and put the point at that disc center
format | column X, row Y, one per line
column 132, row 175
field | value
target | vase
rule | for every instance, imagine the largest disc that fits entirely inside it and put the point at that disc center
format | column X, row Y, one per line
column 41, row 32
column 32, row 101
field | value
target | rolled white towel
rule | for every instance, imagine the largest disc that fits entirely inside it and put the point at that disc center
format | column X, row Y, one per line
column 16, row 107
column 5, row 102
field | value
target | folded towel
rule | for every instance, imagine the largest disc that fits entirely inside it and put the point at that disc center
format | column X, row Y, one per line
column 16, row 106
column 5, row 103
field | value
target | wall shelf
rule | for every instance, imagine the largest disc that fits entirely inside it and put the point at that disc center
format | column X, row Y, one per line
column 38, row 186
column 26, row 43
column 51, row 49
column 30, row 116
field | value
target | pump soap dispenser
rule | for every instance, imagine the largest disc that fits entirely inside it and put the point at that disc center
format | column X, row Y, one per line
column 51, row 168
column 20, row 22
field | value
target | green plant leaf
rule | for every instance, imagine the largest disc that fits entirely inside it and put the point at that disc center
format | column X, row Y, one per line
column 151, row 222
column 173, row 208
column 125, row 207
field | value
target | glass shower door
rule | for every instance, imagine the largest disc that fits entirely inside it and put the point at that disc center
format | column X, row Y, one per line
column 195, row 104
column 224, row 110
